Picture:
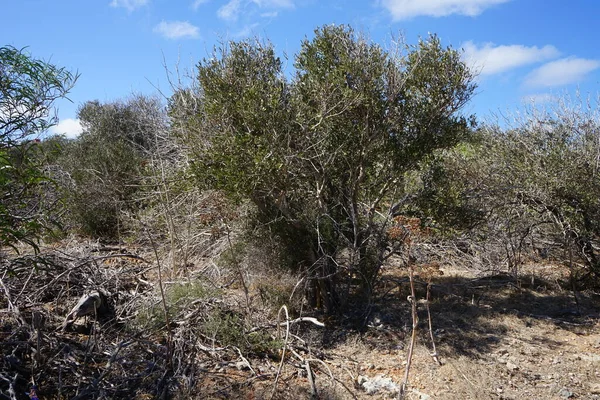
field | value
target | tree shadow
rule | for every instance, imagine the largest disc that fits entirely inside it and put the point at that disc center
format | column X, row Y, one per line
column 468, row 315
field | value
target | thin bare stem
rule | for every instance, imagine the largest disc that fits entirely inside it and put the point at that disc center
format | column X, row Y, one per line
column 238, row 269
column 434, row 354
column 415, row 322
column 164, row 302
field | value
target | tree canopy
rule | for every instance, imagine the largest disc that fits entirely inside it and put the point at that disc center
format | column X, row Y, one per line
column 322, row 154
column 28, row 89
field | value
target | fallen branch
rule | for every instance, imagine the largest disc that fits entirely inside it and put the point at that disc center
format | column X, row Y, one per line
column 313, row 387
column 290, row 322
column 11, row 385
column 245, row 360
column 303, row 319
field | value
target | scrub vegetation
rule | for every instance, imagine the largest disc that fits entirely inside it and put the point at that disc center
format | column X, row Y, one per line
column 338, row 229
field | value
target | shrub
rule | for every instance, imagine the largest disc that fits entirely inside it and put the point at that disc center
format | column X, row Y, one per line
column 322, row 156
column 108, row 162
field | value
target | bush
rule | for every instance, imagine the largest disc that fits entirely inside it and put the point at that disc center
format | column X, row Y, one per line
column 549, row 167
column 228, row 329
column 178, row 298
column 108, row 162
column 525, row 188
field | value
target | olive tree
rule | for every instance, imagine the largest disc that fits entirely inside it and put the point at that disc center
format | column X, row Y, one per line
column 28, row 89
column 322, row 154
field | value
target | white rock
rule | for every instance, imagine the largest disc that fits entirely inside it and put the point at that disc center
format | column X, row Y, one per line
column 380, row 383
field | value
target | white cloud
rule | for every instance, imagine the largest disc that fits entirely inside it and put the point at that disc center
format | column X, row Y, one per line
column 130, row 5
column 246, row 31
column 197, row 3
column 274, row 3
column 69, row 127
column 406, row 9
column 561, row 72
column 490, row 59
column 539, row 98
column 230, row 11
column 177, row 30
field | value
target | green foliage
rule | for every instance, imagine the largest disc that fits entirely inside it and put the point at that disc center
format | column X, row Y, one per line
column 20, row 179
column 107, row 162
column 178, row 298
column 185, row 293
column 135, row 121
column 104, row 172
column 534, row 184
column 549, row 167
column 451, row 189
column 224, row 326
column 321, row 154
column 28, row 89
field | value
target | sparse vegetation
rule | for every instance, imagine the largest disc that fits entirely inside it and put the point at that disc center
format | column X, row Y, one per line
column 275, row 235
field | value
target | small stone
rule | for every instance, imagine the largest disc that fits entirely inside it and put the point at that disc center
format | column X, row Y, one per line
column 565, row 393
column 590, row 357
column 512, row 366
column 241, row 365
column 422, row 396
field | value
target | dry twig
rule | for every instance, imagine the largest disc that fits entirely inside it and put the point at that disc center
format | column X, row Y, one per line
column 415, row 321
column 285, row 344
column 434, row 354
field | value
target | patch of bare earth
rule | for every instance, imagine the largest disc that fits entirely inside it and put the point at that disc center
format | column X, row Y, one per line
column 497, row 338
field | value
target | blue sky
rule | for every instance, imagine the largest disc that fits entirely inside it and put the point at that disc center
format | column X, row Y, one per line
column 523, row 49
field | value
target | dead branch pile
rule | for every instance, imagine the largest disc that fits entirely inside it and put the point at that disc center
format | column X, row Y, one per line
column 94, row 357
column 89, row 324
